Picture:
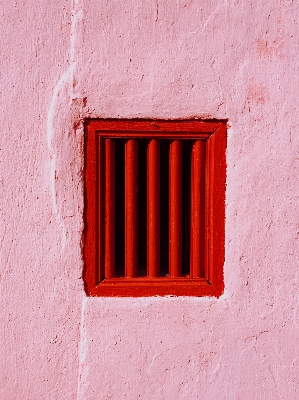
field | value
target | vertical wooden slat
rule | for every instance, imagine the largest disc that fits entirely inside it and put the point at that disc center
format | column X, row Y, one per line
column 197, row 209
column 153, row 208
column 99, row 210
column 131, row 208
column 175, row 208
column 109, row 208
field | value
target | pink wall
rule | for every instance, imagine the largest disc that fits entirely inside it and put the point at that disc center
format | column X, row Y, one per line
column 67, row 60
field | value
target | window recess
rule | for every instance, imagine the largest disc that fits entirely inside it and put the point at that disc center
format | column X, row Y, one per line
column 154, row 207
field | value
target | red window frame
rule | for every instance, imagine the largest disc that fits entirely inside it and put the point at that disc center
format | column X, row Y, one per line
column 214, row 134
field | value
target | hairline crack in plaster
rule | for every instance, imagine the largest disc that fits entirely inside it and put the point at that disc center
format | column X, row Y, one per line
column 65, row 85
column 62, row 93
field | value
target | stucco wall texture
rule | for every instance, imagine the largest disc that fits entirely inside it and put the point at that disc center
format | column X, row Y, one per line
column 63, row 61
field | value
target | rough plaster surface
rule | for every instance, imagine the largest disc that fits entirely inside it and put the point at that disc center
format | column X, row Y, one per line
column 64, row 61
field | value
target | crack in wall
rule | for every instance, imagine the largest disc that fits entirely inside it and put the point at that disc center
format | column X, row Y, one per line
column 63, row 92
column 53, row 110
column 82, row 354
column 65, row 110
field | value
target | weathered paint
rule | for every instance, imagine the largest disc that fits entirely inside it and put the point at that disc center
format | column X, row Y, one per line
column 63, row 62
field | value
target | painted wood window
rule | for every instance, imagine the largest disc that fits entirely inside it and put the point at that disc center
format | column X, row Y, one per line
column 154, row 207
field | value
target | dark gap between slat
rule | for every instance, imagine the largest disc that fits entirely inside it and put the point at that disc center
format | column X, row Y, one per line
column 186, row 202
column 142, row 224
column 164, row 207
column 119, row 208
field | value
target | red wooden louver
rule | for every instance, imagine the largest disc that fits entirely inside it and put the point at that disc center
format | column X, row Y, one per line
column 154, row 207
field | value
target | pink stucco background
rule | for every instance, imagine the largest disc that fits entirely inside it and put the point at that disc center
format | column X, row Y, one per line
column 63, row 61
